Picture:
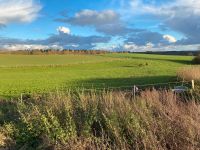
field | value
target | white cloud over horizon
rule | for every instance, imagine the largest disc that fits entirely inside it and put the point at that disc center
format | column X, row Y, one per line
column 151, row 47
column 62, row 40
column 16, row 47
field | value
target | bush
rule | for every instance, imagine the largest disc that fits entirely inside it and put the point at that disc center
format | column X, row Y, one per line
column 196, row 60
column 107, row 120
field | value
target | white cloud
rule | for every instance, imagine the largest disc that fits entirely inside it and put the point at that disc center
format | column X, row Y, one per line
column 75, row 45
column 136, row 48
column 64, row 30
column 15, row 47
column 130, row 46
column 150, row 47
column 170, row 38
column 170, row 8
column 18, row 11
column 192, row 47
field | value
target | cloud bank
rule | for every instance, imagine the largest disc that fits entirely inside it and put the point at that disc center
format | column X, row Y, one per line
column 182, row 16
column 62, row 40
column 107, row 21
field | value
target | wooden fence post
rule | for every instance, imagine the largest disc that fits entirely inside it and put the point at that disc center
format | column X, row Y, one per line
column 193, row 85
column 21, row 97
column 134, row 92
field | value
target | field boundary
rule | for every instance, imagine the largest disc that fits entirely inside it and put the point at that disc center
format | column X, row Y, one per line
column 134, row 89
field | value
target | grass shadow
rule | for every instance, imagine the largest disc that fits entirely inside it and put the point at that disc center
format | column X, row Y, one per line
column 8, row 111
column 186, row 62
column 124, row 82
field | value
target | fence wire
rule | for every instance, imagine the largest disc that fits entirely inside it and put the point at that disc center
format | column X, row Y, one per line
column 97, row 87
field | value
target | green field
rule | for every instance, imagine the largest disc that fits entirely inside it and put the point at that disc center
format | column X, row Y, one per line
column 43, row 73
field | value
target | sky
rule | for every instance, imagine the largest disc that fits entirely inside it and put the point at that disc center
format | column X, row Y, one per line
column 116, row 25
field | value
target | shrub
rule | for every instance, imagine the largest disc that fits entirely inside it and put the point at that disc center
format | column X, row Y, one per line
column 106, row 120
column 196, row 60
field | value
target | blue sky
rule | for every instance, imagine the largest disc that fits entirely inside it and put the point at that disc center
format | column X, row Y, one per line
column 132, row 25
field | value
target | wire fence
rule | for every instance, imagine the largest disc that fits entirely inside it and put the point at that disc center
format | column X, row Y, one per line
column 88, row 87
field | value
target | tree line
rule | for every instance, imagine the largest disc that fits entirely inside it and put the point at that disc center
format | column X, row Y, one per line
column 52, row 52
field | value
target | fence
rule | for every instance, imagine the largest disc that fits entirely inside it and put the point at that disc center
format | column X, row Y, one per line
column 134, row 89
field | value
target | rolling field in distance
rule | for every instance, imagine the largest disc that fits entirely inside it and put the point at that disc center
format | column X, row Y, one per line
column 44, row 73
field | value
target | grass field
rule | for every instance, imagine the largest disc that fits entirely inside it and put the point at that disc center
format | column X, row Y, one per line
column 43, row 73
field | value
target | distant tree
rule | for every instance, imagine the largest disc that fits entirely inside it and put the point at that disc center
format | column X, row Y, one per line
column 190, row 54
column 198, row 51
column 196, row 60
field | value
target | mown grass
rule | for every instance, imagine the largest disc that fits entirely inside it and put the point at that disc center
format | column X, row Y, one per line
column 44, row 73
column 108, row 120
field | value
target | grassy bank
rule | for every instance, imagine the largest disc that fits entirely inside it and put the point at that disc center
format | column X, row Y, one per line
column 107, row 120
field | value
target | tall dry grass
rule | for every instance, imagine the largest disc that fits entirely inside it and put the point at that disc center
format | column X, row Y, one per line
column 107, row 120
column 189, row 73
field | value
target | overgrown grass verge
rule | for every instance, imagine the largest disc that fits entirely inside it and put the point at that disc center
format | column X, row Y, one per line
column 189, row 73
column 107, row 120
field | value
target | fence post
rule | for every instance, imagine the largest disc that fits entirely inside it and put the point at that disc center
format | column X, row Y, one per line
column 134, row 92
column 193, row 84
column 21, row 97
